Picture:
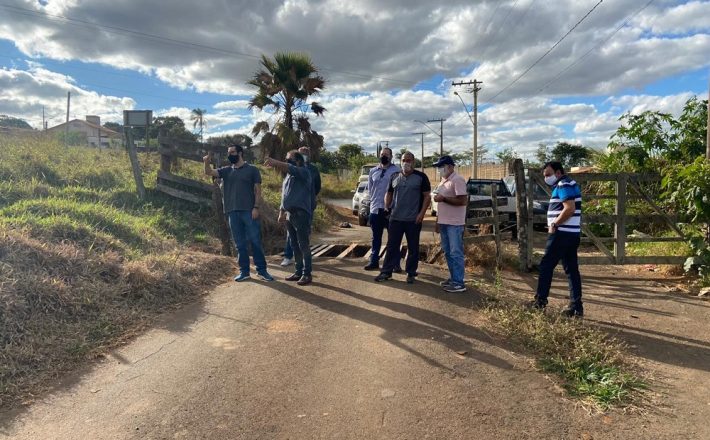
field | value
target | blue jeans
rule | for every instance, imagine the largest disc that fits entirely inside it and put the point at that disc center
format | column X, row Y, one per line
column 397, row 229
column 288, row 248
column 452, row 245
column 561, row 246
column 299, row 228
column 245, row 232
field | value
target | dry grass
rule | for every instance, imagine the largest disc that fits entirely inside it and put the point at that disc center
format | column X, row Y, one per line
column 61, row 304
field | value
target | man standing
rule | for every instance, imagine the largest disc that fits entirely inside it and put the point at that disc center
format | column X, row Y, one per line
column 377, row 185
column 295, row 210
column 316, row 184
column 564, row 216
column 452, row 199
column 241, row 197
column 408, row 197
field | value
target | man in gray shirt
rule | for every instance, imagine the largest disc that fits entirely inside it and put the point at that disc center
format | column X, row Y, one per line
column 377, row 183
column 408, row 199
column 296, row 210
column 241, row 197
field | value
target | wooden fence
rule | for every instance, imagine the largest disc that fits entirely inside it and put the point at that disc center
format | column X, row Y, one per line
column 476, row 216
column 194, row 191
column 627, row 187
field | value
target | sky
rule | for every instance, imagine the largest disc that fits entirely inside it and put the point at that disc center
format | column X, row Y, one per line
column 550, row 71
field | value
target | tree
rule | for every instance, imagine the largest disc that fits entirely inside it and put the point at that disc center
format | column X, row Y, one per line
column 571, row 155
column 350, row 150
column 507, row 155
column 115, row 126
column 542, row 154
column 197, row 116
column 239, row 139
column 12, row 122
column 285, row 85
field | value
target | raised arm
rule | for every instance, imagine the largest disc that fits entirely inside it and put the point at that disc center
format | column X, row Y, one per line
column 208, row 166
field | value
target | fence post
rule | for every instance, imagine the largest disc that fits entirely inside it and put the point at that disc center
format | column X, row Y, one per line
column 496, row 225
column 620, row 225
column 531, row 215
column 521, row 221
column 224, row 234
column 137, row 175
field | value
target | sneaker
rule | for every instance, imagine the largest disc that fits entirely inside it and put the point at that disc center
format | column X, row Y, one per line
column 242, row 277
column 383, row 277
column 410, row 279
column 305, row 279
column 372, row 266
column 286, row 262
column 444, row 284
column 294, row 277
column 573, row 312
column 265, row 276
column 454, row 288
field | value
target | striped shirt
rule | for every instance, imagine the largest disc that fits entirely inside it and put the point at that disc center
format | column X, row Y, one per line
column 565, row 189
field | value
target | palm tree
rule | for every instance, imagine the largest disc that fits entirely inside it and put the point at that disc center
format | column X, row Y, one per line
column 284, row 86
column 197, row 116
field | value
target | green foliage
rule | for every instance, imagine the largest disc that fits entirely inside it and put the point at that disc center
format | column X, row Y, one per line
column 571, row 155
column 172, row 126
column 350, row 150
column 285, row 85
column 12, row 122
column 507, row 155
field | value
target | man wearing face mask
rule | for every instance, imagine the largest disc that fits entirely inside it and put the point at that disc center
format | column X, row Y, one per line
column 316, row 185
column 241, row 197
column 295, row 210
column 564, row 216
column 408, row 198
column 377, row 185
column 452, row 198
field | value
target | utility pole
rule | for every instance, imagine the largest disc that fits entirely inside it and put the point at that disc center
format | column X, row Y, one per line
column 44, row 126
column 422, row 158
column 441, row 134
column 66, row 126
column 474, row 89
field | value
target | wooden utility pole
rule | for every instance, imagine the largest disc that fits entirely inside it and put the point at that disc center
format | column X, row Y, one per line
column 441, row 134
column 137, row 175
column 422, row 158
column 474, row 89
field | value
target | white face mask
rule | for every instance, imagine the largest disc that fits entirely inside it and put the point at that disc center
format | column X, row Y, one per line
column 407, row 166
column 442, row 171
column 305, row 158
column 551, row 180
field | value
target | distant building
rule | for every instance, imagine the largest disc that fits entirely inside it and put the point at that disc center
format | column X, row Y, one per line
column 96, row 135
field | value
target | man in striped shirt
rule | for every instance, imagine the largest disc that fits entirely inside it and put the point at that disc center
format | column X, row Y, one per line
column 564, row 216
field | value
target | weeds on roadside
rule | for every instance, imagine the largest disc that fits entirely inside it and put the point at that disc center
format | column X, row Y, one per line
column 588, row 361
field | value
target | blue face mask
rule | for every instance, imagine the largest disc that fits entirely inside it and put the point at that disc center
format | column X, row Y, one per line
column 233, row 159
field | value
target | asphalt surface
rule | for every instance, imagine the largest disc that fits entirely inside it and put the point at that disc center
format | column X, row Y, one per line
column 342, row 358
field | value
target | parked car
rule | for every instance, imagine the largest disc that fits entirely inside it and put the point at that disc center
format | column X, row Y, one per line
column 365, row 171
column 363, row 216
column 539, row 206
column 358, row 194
column 479, row 189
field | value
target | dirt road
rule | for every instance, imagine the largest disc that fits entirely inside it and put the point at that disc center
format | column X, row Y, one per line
column 348, row 358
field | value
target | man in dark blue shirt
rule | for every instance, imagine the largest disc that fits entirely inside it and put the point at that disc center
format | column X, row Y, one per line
column 296, row 210
column 564, row 216
column 241, row 196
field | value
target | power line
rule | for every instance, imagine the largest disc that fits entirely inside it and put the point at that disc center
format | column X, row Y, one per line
column 546, row 53
column 122, row 30
column 624, row 23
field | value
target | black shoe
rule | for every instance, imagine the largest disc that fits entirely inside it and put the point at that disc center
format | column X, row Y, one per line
column 410, row 279
column 537, row 305
column 294, row 277
column 305, row 279
column 397, row 270
column 372, row 266
column 383, row 277
column 573, row 312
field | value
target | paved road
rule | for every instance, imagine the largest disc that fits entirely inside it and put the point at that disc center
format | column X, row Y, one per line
column 344, row 358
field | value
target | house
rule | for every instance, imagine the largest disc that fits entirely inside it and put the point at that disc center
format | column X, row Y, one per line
column 91, row 129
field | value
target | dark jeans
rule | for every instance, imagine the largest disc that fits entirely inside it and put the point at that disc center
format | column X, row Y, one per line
column 378, row 223
column 561, row 246
column 246, row 232
column 288, row 248
column 299, row 231
column 396, row 230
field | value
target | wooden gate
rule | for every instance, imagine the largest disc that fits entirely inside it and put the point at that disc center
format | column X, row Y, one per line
column 530, row 187
column 190, row 190
column 476, row 216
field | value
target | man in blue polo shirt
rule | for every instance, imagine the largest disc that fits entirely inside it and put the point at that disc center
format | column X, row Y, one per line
column 564, row 216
